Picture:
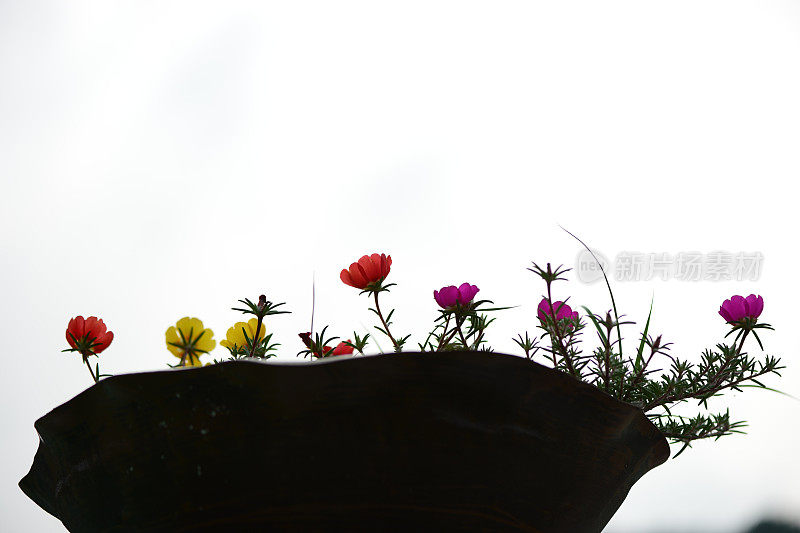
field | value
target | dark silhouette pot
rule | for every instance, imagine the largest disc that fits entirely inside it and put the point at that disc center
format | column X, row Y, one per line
column 458, row 441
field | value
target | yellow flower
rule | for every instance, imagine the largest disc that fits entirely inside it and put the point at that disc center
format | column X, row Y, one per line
column 235, row 338
column 189, row 340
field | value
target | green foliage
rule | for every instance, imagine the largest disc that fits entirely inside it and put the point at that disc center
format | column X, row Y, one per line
column 467, row 331
column 316, row 347
column 641, row 381
column 359, row 344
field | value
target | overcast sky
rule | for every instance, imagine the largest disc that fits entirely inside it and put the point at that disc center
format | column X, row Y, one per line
column 164, row 159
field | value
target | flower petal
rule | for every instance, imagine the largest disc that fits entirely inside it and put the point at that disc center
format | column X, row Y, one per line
column 80, row 327
column 206, row 342
column 543, row 310
column 372, row 267
column 346, row 279
column 75, row 330
column 466, row 293
column 372, row 271
column 102, row 342
column 343, row 349
column 90, row 327
column 436, row 297
column 184, row 325
column 562, row 310
column 358, row 276
column 252, row 324
column 737, row 308
column 386, row 264
column 448, row 296
column 759, row 307
column 754, row 305
column 191, row 328
column 172, row 337
column 94, row 332
column 235, row 336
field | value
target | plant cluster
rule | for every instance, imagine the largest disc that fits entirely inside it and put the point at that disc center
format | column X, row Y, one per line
column 638, row 379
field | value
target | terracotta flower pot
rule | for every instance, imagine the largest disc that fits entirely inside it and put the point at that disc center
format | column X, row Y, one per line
column 458, row 441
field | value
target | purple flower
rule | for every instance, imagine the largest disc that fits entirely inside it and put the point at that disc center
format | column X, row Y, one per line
column 466, row 293
column 562, row 311
column 448, row 296
column 739, row 308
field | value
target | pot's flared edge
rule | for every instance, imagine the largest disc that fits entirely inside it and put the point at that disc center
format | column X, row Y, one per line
column 39, row 483
column 660, row 452
column 661, row 456
column 349, row 359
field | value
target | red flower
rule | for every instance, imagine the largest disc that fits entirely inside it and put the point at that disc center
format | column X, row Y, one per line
column 88, row 336
column 341, row 349
column 368, row 271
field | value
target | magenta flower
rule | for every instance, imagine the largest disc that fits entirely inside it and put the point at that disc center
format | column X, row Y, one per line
column 449, row 296
column 562, row 311
column 466, row 293
column 739, row 308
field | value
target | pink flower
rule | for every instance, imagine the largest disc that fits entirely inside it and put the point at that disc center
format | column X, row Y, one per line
column 739, row 308
column 562, row 311
column 466, row 293
column 448, row 296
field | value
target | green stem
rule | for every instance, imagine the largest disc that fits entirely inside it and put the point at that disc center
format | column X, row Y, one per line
column 608, row 355
column 709, row 389
column 727, row 363
column 741, row 343
column 461, row 334
column 610, row 292
column 639, row 375
column 450, row 338
column 255, row 339
column 478, row 339
column 441, row 339
column 558, row 339
column 385, row 326
column 95, row 378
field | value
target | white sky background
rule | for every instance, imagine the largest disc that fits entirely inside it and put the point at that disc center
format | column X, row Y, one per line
column 164, row 159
